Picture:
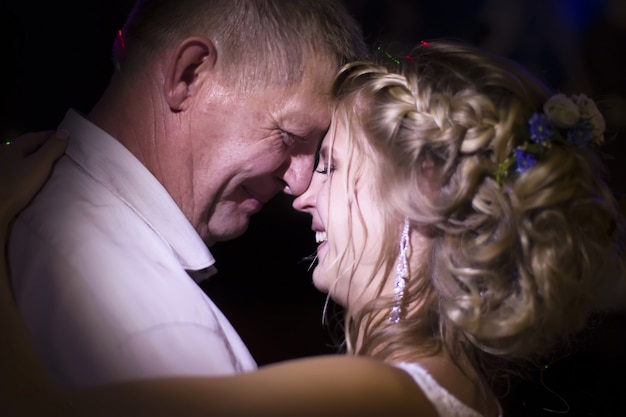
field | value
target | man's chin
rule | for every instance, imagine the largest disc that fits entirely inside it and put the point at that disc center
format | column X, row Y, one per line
column 224, row 235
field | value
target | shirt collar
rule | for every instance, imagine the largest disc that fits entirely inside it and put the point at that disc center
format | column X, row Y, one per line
column 111, row 164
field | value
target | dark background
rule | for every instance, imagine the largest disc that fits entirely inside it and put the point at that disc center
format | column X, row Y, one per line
column 56, row 55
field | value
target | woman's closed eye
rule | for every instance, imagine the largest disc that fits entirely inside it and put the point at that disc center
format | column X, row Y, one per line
column 323, row 163
column 326, row 169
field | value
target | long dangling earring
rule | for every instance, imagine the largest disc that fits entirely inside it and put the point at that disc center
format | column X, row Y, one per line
column 402, row 275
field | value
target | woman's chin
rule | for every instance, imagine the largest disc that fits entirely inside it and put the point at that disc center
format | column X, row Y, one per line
column 319, row 280
column 324, row 281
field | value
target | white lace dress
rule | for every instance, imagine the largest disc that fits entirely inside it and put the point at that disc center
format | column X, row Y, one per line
column 445, row 403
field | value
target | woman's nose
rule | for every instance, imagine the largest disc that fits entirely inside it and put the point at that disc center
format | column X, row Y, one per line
column 306, row 201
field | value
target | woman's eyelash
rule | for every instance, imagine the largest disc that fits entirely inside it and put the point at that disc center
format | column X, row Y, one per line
column 325, row 170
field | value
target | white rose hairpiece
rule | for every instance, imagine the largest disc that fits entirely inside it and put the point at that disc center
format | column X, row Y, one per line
column 572, row 121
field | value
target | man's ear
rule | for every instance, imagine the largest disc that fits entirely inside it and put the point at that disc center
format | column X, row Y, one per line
column 192, row 56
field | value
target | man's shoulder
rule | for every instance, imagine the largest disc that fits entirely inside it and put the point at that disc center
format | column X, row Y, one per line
column 70, row 198
column 75, row 213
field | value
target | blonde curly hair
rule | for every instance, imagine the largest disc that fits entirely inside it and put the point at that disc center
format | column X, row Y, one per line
column 508, row 266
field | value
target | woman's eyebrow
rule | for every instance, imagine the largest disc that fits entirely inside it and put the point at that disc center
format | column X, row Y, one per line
column 323, row 153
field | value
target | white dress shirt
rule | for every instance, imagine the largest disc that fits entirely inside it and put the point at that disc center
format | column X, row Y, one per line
column 99, row 264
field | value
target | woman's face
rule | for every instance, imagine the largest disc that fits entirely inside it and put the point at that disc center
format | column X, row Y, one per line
column 346, row 220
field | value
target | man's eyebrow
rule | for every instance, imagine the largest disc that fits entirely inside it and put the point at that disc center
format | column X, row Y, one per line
column 293, row 136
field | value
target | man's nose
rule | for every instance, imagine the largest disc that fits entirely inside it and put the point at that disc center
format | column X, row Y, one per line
column 297, row 174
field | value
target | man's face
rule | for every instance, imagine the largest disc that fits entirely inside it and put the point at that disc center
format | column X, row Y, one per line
column 246, row 146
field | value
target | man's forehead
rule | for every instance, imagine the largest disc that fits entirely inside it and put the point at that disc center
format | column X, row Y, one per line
column 308, row 115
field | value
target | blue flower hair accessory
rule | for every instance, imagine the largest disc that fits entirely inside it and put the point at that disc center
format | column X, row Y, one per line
column 572, row 121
